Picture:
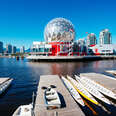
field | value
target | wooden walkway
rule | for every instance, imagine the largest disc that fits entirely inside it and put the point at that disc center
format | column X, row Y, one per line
column 70, row 107
column 107, row 81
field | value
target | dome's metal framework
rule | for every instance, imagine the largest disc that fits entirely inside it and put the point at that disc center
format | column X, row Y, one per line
column 59, row 30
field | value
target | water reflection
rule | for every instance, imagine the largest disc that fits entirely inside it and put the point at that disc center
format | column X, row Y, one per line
column 26, row 77
column 72, row 67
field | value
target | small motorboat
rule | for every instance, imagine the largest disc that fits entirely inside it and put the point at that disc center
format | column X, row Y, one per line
column 24, row 110
column 51, row 97
column 5, row 85
column 79, row 87
column 73, row 91
column 91, row 89
column 100, row 88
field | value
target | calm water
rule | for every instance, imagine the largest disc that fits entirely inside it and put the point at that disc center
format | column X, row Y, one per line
column 26, row 77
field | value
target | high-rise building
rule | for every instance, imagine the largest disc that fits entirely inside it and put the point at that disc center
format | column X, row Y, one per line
column 22, row 49
column 9, row 48
column 91, row 39
column 105, row 37
column 1, row 47
column 14, row 49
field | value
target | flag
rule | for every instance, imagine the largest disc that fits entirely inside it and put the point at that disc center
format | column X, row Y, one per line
column 71, row 30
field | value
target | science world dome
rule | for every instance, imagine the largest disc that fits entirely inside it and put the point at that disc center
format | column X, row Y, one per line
column 59, row 30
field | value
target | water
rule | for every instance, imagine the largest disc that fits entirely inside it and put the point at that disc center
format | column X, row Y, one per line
column 26, row 77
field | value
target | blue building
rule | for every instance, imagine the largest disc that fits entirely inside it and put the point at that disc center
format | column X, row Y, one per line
column 9, row 48
column 1, row 47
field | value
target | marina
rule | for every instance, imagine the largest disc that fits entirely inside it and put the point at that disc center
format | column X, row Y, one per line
column 69, row 106
column 57, row 58
column 30, row 75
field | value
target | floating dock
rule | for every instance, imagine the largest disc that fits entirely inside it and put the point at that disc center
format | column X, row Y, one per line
column 70, row 107
column 2, row 79
column 69, row 58
column 107, row 81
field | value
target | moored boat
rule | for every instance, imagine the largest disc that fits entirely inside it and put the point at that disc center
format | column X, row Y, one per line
column 100, row 88
column 5, row 85
column 51, row 97
column 113, row 72
column 24, row 110
column 79, row 87
column 72, row 91
column 92, row 90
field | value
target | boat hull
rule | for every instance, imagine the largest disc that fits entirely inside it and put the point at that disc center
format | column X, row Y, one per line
column 79, row 87
column 73, row 91
column 92, row 90
column 5, row 85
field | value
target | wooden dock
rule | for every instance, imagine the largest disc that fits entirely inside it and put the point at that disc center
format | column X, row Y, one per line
column 2, row 79
column 70, row 107
column 107, row 81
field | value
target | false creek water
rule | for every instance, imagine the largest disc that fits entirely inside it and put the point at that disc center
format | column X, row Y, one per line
column 26, row 77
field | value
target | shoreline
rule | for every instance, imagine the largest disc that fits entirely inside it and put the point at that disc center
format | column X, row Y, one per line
column 68, row 58
column 4, row 56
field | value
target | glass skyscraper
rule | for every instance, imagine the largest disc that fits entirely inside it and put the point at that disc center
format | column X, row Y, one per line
column 9, row 48
column 14, row 49
column 91, row 39
column 105, row 37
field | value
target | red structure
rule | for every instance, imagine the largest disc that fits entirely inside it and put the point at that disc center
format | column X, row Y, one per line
column 60, row 48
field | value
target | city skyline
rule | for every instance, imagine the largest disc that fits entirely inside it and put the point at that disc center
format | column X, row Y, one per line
column 23, row 22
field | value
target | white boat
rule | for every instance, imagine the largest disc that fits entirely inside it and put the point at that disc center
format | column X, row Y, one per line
column 24, row 110
column 52, row 100
column 100, row 88
column 5, row 85
column 72, row 91
column 79, row 87
column 91, row 89
column 113, row 72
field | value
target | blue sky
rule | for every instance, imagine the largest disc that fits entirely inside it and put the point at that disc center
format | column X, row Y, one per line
column 23, row 21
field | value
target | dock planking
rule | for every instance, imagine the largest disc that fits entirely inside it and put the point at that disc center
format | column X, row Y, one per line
column 69, row 109
column 107, row 81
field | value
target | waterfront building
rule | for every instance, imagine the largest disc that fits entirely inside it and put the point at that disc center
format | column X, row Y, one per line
column 9, row 48
column 59, row 35
column 14, row 49
column 82, row 48
column 105, row 37
column 22, row 49
column 91, row 39
column 1, row 47
column 105, row 49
